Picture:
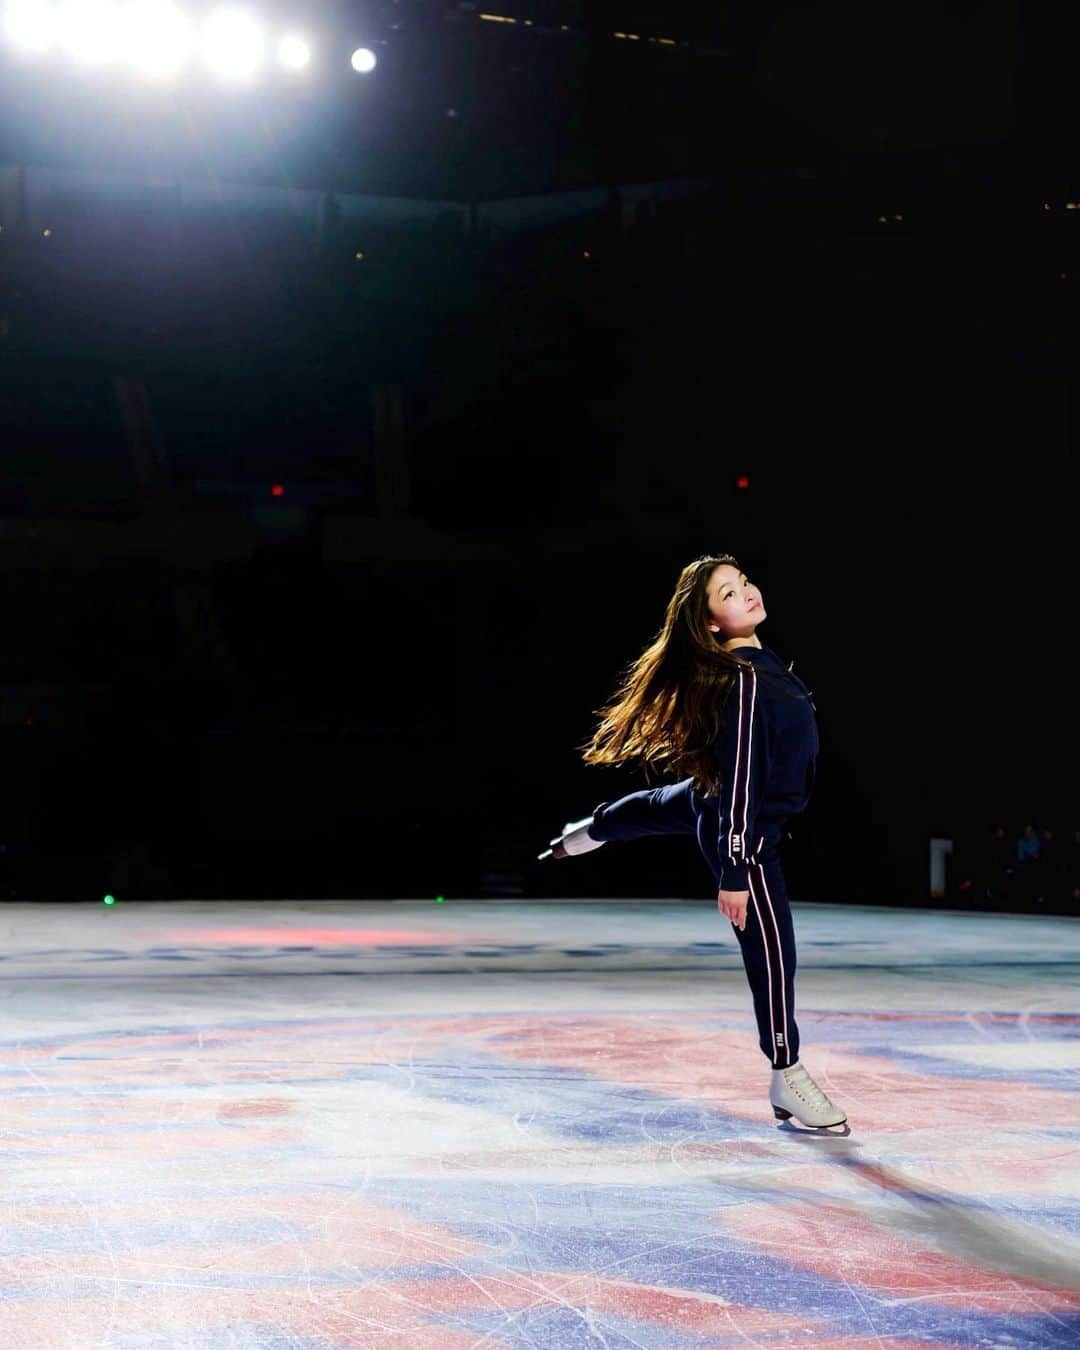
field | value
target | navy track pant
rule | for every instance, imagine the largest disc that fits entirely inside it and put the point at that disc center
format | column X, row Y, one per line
column 768, row 941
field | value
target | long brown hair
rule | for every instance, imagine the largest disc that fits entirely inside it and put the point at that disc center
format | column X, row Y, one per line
column 668, row 710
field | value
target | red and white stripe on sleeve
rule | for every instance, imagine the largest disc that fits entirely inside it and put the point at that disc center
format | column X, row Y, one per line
column 744, row 767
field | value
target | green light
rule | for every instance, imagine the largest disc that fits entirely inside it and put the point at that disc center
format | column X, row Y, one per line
column 439, row 899
column 109, row 900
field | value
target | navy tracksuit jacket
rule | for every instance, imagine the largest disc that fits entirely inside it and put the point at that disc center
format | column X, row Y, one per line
column 767, row 755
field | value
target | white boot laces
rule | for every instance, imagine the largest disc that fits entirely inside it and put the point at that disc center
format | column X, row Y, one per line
column 804, row 1087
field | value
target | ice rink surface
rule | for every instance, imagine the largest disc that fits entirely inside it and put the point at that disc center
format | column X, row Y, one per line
column 530, row 1124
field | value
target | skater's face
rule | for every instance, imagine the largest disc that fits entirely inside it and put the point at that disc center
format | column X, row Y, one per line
column 735, row 604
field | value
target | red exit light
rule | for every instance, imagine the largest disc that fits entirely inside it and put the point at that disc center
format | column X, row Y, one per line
column 277, row 490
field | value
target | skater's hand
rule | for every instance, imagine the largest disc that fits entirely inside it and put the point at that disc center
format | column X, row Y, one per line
column 733, row 905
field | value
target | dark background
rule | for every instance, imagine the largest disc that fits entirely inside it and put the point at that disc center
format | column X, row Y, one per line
column 497, row 446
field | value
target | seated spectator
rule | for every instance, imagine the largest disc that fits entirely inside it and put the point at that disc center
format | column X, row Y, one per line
column 997, row 866
column 1030, row 873
column 1027, row 846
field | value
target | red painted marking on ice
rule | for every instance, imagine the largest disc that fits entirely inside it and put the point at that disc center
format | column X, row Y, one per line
column 344, row 1217
column 325, row 1233
column 936, row 1017
column 116, row 1148
column 839, row 1243
column 876, row 1342
column 211, row 1040
column 315, row 937
column 685, row 1310
column 377, row 1317
column 391, row 1312
column 386, row 1313
column 878, row 1095
column 61, row 1110
column 238, row 1110
column 1029, row 1168
column 725, row 1068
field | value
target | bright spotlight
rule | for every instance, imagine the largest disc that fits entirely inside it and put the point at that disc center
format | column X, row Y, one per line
column 158, row 37
column 91, row 31
column 30, row 25
column 363, row 60
column 293, row 52
column 233, row 44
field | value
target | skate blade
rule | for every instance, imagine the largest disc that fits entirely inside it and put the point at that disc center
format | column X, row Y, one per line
column 555, row 851
column 781, row 1114
column 841, row 1127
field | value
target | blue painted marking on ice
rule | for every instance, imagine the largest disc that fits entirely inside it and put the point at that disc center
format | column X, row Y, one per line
column 205, row 1233
column 563, row 1327
column 560, row 1101
column 949, row 1067
column 234, row 1335
column 670, row 1237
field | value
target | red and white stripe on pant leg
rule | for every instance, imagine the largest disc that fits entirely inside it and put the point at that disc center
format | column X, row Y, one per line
column 774, row 964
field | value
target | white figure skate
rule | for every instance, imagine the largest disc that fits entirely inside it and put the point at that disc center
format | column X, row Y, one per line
column 794, row 1093
column 574, row 840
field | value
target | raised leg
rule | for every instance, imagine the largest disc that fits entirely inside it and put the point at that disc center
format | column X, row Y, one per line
column 672, row 809
column 668, row 810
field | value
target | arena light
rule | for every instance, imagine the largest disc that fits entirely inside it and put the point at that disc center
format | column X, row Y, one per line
column 157, row 37
column 91, row 31
column 233, row 44
column 293, row 52
column 363, row 60
column 30, row 25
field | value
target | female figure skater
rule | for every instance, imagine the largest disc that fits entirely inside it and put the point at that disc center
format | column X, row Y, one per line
column 708, row 700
